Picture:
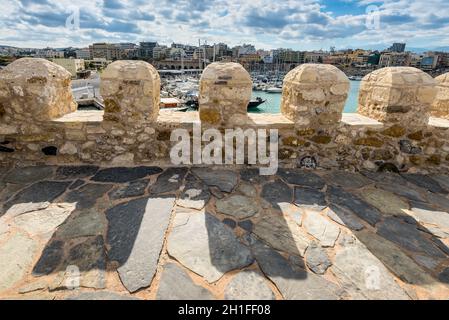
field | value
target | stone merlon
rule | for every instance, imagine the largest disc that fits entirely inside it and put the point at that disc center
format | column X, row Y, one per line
column 402, row 120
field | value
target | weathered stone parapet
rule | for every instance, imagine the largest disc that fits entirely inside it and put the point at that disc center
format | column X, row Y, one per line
column 34, row 90
column 314, row 95
column 225, row 92
column 397, row 95
column 440, row 106
column 131, row 92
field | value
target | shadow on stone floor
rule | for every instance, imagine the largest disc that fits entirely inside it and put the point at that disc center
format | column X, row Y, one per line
column 81, row 239
column 85, row 240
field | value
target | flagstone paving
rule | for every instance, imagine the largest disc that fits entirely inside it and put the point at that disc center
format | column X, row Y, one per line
column 86, row 232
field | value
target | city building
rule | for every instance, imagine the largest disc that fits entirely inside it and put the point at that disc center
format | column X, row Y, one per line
column 146, row 49
column 246, row 49
column 315, row 56
column 394, row 59
column 159, row 52
column 106, row 51
column 429, row 62
column 71, row 65
column 83, row 54
column 48, row 53
column 397, row 47
column 97, row 63
column 249, row 58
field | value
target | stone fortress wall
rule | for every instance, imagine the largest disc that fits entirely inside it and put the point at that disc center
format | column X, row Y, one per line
column 402, row 121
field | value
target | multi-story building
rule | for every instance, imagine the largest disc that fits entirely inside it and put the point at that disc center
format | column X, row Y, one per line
column 249, row 58
column 246, row 49
column 415, row 60
column 397, row 47
column 315, row 56
column 291, row 56
column 48, row 53
column 127, row 46
column 394, row 59
column 337, row 58
column 106, row 51
column 71, row 65
column 443, row 59
column 83, row 54
column 159, row 52
column 146, row 49
column 222, row 50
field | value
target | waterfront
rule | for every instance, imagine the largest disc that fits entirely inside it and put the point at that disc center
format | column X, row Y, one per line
column 273, row 100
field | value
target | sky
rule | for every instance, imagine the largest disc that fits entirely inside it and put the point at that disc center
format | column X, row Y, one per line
column 296, row 24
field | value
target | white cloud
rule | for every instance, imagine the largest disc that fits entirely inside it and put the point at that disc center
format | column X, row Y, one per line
column 308, row 24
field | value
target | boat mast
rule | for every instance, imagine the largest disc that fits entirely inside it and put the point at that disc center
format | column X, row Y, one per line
column 204, row 53
column 199, row 55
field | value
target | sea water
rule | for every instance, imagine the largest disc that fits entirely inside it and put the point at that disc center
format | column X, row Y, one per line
column 273, row 103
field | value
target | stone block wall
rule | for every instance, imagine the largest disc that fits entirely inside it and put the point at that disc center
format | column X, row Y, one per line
column 35, row 90
column 440, row 106
column 225, row 91
column 39, row 124
column 314, row 95
column 131, row 92
column 400, row 95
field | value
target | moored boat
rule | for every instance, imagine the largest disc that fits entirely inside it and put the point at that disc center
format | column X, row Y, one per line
column 274, row 90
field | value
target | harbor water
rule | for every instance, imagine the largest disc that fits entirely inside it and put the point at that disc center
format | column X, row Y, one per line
column 273, row 100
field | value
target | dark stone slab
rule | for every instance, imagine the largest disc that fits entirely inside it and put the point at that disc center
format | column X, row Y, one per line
column 206, row 246
column 277, row 192
column 439, row 201
column 252, row 176
column 444, row 276
column 302, row 178
column 385, row 177
column 136, row 235
column 132, row 189
column 43, row 191
column 169, row 181
column 425, row 182
column 225, row 180
column 407, row 236
column 75, row 172
column 195, row 194
column 50, row 259
column 76, row 184
column 310, row 198
column 123, row 174
column 347, row 180
column 348, row 201
column 175, row 284
column 344, row 217
column 401, row 190
column 29, row 174
column 317, row 259
column 86, row 196
column 293, row 283
column 88, row 255
column 84, row 223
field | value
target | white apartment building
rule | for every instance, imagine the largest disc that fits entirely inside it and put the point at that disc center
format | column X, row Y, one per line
column 71, row 65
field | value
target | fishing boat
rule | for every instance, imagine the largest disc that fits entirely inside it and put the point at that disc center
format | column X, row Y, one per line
column 253, row 104
column 192, row 101
column 274, row 90
column 173, row 104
